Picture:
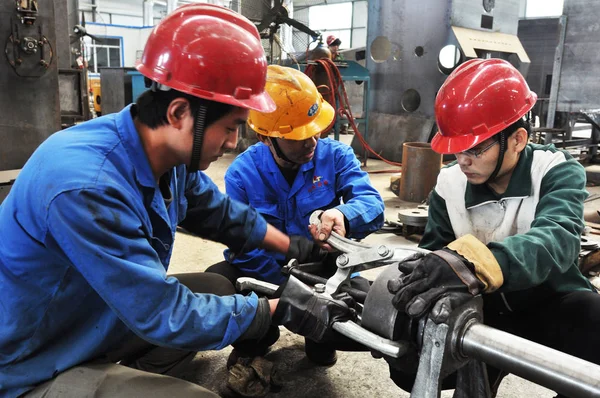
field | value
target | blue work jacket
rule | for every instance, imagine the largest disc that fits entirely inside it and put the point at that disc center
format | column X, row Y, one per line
column 85, row 243
column 332, row 179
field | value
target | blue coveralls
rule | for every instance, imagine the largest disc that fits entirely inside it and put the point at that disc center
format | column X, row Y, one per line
column 85, row 242
column 332, row 179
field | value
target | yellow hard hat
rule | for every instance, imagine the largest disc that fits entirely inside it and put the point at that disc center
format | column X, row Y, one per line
column 301, row 110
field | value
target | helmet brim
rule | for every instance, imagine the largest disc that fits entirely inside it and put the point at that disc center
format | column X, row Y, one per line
column 451, row 145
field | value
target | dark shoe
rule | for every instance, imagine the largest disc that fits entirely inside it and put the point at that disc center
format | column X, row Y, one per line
column 253, row 377
column 320, row 354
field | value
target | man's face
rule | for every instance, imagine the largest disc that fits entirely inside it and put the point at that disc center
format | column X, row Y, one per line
column 476, row 165
column 334, row 49
column 299, row 152
column 221, row 136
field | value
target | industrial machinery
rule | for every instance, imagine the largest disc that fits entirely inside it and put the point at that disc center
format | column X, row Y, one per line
column 565, row 73
column 412, row 46
column 42, row 91
column 429, row 350
column 29, row 99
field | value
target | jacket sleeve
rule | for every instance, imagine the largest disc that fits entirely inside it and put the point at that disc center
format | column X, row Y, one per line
column 258, row 263
column 215, row 216
column 102, row 235
column 438, row 231
column 363, row 206
column 552, row 244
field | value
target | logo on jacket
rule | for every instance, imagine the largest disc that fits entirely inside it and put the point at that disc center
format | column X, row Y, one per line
column 313, row 109
column 318, row 182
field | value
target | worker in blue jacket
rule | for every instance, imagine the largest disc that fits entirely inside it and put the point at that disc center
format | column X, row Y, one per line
column 290, row 174
column 86, row 305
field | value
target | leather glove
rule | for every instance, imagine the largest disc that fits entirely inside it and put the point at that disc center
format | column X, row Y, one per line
column 311, row 314
column 302, row 249
column 447, row 278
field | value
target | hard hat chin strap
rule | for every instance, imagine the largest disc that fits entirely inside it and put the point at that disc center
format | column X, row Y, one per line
column 199, row 126
column 279, row 152
column 503, row 140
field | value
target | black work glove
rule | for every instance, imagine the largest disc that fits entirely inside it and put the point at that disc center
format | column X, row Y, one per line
column 302, row 249
column 311, row 314
column 442, row 277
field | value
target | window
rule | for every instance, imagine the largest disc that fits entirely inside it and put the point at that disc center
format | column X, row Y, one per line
column 543, row 8
column 347, row 21
column 106, row 51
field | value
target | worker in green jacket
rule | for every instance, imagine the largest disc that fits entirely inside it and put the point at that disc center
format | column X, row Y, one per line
column 505, row 220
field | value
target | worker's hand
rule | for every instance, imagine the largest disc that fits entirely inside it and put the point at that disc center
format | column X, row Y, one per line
column 331, row 220
column 447, row 278
column 311, row 314
column 302, row 249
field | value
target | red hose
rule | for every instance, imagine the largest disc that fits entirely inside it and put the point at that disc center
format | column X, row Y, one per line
column 342, row 104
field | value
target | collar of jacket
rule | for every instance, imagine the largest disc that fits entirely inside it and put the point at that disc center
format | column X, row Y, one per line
column 519, row 185
column 133, row 145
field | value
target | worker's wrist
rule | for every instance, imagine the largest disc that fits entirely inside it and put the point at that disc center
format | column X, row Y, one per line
column 261, row 322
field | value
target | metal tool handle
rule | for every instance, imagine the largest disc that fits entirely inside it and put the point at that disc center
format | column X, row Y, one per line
column 390, row 348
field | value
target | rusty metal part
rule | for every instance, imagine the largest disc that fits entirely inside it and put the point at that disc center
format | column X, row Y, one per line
column 420, row 168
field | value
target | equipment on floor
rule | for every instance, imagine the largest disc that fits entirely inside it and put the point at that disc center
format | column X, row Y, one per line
column 413, row 220
column 432, row 350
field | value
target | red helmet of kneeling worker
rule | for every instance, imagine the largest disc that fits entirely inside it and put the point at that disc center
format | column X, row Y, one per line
column 333, row 41
column 478, row 100
column 210, row 52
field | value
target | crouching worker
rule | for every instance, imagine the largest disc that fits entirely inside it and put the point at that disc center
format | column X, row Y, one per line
column 286, row 177
column 88, row 228
column 505, row 221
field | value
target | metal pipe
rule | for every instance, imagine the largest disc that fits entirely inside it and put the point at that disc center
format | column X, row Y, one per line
column 545, row 366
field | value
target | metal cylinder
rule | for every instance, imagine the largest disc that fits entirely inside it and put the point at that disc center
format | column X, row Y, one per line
column 420, row 168
column 545, row 366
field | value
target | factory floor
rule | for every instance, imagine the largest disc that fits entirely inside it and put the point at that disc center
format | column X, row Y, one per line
column 356, row 374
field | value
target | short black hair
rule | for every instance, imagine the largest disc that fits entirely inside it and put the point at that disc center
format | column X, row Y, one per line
column 523, row 122
column 151, row 107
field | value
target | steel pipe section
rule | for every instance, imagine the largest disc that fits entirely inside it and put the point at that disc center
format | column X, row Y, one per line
column 545, row 366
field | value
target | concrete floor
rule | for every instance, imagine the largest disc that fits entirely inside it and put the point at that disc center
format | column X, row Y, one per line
column 356, row 375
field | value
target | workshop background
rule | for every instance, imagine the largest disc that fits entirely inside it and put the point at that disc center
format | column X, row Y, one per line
column 67, row 61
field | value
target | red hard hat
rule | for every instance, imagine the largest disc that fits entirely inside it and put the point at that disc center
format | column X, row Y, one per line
column 478, row 100
column 210, row 52
column 331, row 39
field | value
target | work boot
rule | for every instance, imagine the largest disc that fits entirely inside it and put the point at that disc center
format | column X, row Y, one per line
column 253, row 377
column 320, row 354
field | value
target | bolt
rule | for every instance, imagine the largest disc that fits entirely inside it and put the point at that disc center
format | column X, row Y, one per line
column 437, row 343
column 19, row 61
column 45, row 65
column 383, row 251
column 320, row 288
column 342, row 259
